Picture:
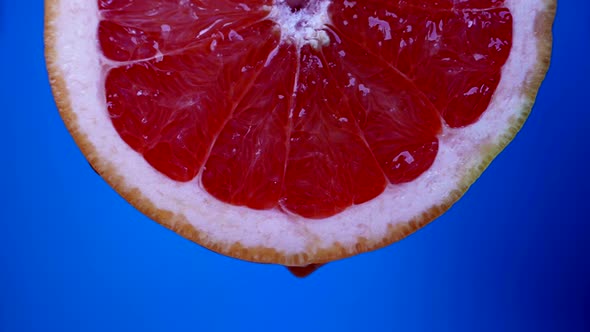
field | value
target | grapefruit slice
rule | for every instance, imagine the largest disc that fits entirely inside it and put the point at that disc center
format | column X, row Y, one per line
column 295, row 132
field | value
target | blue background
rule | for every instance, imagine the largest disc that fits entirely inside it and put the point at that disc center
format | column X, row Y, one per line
column 512, row 255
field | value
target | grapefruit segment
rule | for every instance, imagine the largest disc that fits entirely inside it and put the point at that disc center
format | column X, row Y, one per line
column 452, row 50
column 172, row 108
column 171, row 25
column 247, row 163
column 465, row 50
column 329, row 167
column 398, row 122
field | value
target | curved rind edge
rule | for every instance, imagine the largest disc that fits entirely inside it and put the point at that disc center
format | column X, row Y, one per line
column 181, row 226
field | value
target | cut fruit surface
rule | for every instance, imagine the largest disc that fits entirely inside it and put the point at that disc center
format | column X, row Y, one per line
column 275, row 120
column 295, row 131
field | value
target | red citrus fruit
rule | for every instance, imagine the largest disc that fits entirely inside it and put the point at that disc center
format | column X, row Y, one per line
column 295, row 131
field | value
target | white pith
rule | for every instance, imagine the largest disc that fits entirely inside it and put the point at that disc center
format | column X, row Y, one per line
column 304, row 26
column 460, row 150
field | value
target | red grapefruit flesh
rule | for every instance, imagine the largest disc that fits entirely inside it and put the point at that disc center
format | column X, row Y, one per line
column 273, row 122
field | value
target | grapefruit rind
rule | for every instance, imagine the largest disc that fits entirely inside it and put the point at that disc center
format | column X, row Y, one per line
column 77, row 80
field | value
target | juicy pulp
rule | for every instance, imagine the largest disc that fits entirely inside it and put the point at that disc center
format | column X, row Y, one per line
column 213, row 90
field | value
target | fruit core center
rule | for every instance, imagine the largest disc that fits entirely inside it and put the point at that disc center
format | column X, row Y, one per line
column 302, row 22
